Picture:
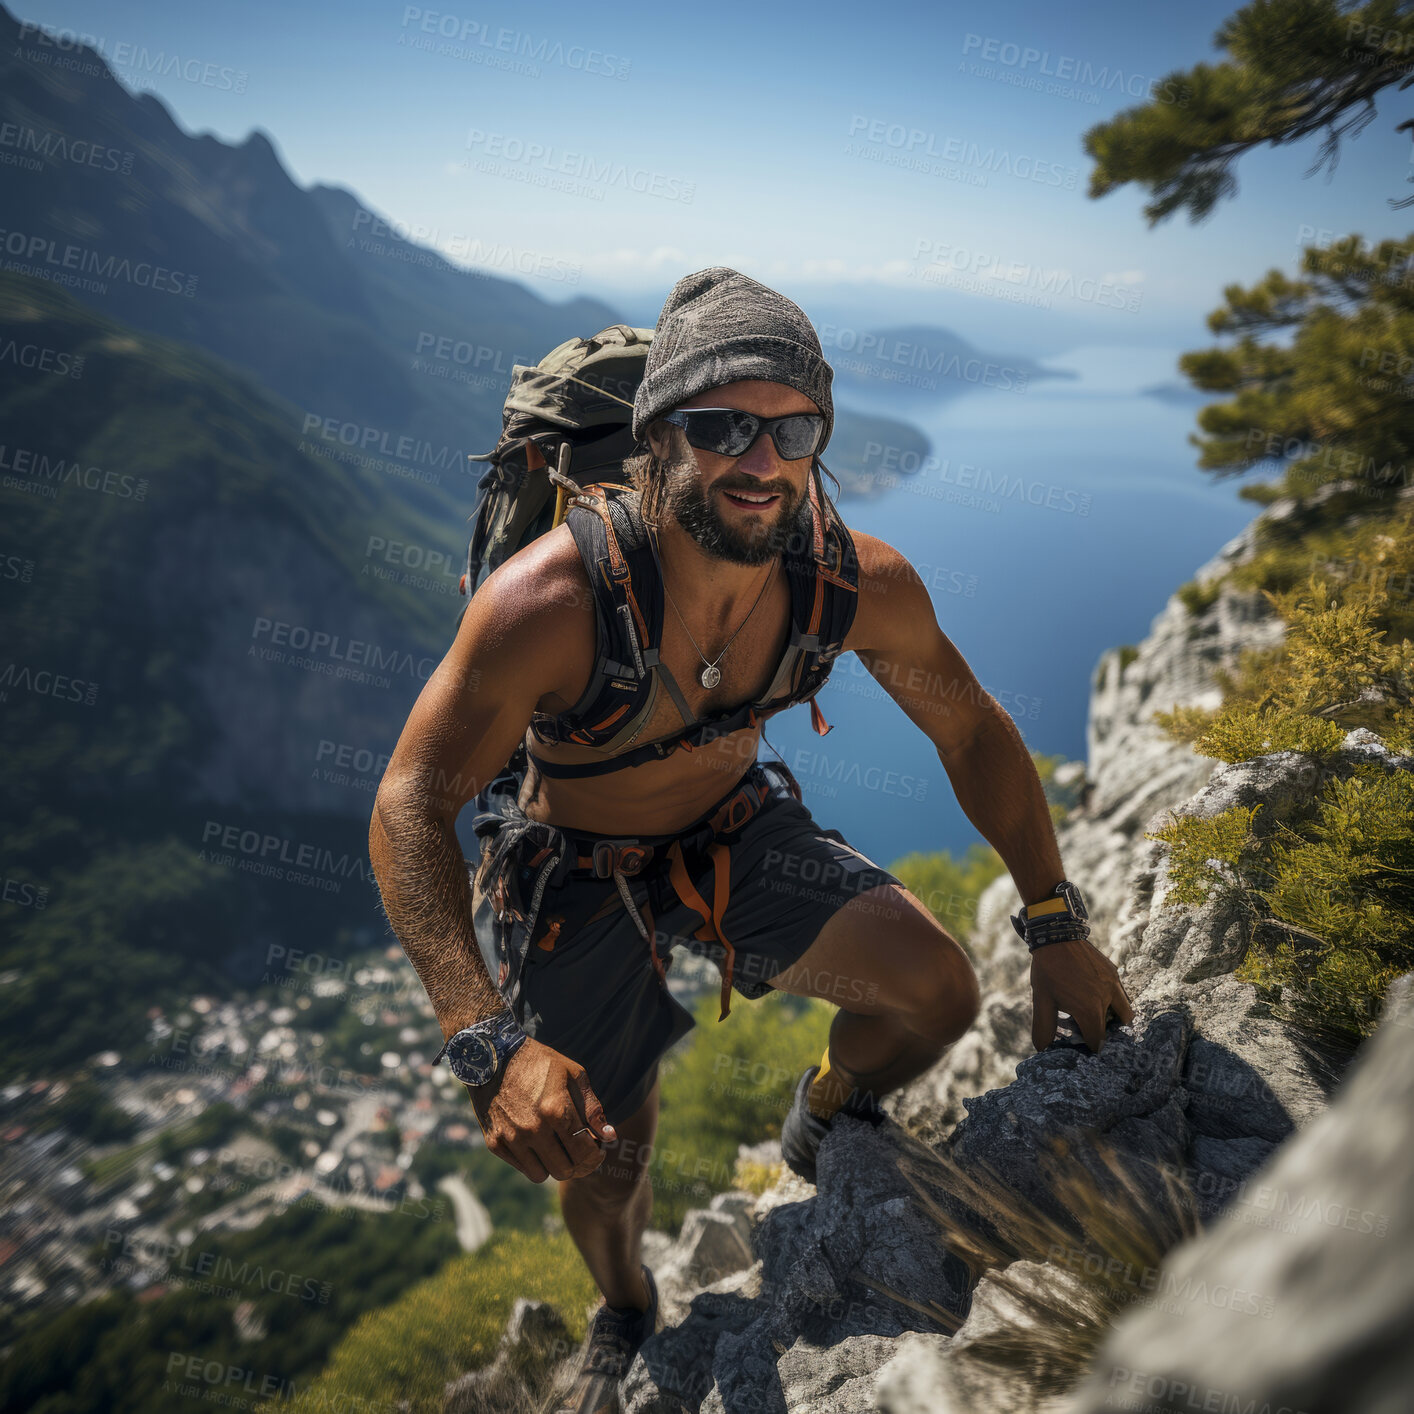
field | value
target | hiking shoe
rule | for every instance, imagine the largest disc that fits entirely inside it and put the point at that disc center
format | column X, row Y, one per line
column 613, row 1340
column 802, row 1131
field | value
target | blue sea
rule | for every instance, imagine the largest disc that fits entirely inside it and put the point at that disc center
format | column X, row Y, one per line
column 1096, row 513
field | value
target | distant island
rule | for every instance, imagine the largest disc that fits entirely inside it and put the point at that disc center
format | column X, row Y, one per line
column 1180, row 394
column 926, row 362
column 868, row 447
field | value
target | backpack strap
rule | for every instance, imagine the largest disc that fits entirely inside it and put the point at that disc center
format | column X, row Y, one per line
column 824, row 599
column 823, row 584
column 613, row 551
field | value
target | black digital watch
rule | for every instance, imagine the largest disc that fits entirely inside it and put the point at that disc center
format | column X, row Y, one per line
column 1059, row 918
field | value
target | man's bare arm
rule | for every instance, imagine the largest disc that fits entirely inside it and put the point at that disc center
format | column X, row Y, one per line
column 526, row 637
column 897, row 635
column 509, row 652
column 898, row 638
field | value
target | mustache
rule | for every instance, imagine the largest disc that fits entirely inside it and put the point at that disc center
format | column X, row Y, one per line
column 757, row 488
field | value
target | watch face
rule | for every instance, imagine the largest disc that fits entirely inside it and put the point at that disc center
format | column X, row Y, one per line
column 472, row 1057
column 1077, row 904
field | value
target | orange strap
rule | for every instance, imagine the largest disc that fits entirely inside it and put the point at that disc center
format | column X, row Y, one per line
column 711, row 926
column 721, row 891
column 646, row 910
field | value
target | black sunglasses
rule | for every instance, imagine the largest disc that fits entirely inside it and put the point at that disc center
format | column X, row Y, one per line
column 730, row 431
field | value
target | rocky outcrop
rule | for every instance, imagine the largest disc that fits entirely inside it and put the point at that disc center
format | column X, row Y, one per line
column 842, row 1275
column 1301, row 1295
column 535, row 1347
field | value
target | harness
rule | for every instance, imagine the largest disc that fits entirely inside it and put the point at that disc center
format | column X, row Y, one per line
column 523, row 857
column 628, row 603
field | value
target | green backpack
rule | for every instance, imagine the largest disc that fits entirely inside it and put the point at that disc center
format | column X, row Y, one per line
column 566, row 423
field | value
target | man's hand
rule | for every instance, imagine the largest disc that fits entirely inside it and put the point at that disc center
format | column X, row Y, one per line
column 1078, row 979
column 530, row 1113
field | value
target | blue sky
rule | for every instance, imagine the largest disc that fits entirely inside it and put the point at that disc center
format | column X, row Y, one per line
column 789, row 132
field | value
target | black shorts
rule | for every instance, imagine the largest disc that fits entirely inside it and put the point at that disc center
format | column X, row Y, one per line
column 587, row 983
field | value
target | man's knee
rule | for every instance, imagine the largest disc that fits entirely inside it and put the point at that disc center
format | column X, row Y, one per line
column 946, row 999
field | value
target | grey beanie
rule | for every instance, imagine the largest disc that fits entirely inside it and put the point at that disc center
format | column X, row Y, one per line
column 718, row 326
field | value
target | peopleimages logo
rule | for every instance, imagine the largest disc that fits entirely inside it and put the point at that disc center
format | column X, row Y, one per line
column 597, row 172
column 129, row 58
column 880, row 355
column 333, row 649
column 49, row 474
column 463, row 38
column 399, row 446
column 258, row 852
column 59, row 147
column 43, row 682
column 181, row 1264
column 916, row 148
column 39, row 358
column 1071, row 70
column 33, row 254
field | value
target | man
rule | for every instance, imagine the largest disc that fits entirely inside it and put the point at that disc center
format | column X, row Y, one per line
column 752, row 566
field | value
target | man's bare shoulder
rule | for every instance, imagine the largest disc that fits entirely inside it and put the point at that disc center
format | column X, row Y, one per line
column 536, row 610
column 541, row 582
column 891, row 593
column 879, row 562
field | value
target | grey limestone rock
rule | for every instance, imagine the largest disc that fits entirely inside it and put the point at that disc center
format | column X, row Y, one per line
column 1301, row 1294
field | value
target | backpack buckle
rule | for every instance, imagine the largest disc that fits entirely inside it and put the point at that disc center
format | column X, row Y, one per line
column 737, row 811
column 626, row 856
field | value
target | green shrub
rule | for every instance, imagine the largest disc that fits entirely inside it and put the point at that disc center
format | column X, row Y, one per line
column 1338, row 668
column 1262, row 492
column 1329, row 900
column 1242, row 732
column 729, row 1083
column 1330, row 904
column 1208, row 852
column 1343, row 887
column 1197, row 597
column 1184, row 722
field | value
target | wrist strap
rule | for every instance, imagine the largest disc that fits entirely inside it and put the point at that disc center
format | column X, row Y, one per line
column 1052, row 920
column 1076, row 933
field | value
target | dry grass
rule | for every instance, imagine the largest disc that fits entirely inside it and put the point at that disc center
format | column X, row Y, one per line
column 1108, row 1229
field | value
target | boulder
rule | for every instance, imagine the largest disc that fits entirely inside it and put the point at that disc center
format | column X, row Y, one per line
column 1300, row 1295
column 533, row 1347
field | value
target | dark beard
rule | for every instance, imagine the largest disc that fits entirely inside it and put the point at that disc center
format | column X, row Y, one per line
column 686, row 501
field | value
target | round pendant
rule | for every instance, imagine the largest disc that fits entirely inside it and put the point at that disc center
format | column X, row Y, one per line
column 710, row 676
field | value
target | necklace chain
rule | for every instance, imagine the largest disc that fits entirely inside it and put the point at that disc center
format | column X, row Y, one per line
column 710, row 675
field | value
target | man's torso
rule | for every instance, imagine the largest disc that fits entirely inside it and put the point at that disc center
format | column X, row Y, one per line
column 660, row 796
